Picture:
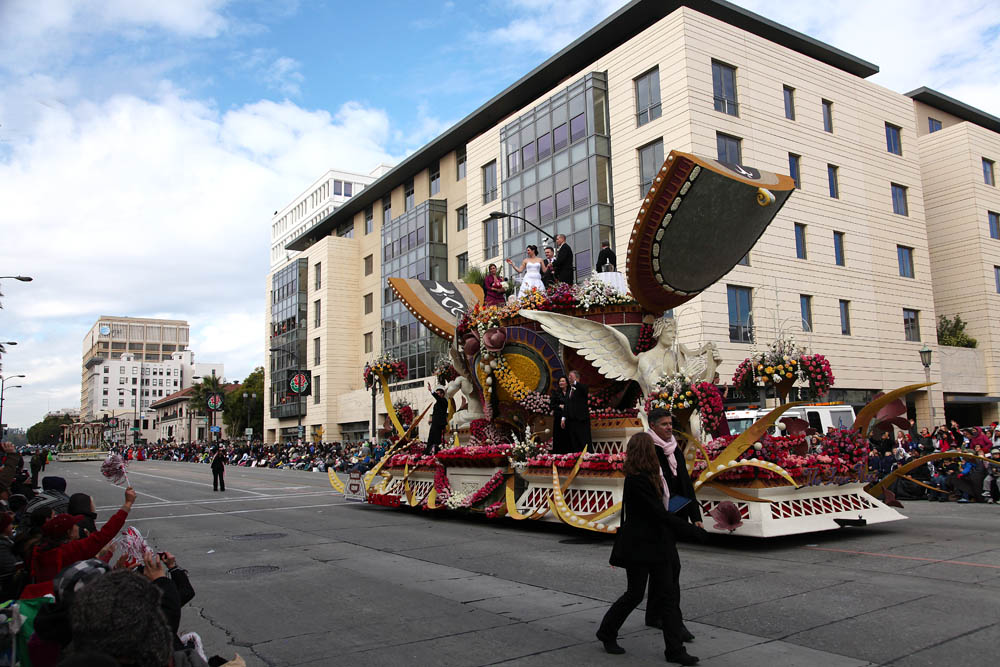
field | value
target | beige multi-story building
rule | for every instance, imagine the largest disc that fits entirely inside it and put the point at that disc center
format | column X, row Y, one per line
column 146, row 339
column 959, row 148
column 573, row 146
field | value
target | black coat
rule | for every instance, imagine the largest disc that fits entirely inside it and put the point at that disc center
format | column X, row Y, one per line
column 606, row 256
column 218, row 462
column 562, row 264
column 577, row 413
column 680, row 484
column 648, row 532
column 560, row 435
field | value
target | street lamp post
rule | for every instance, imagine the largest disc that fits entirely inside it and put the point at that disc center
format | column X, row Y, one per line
column 247, row 404
column 3, row 381
column 925, row 359
column 295, row 360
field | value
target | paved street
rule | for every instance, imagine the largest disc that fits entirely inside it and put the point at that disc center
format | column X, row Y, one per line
column 287, row 573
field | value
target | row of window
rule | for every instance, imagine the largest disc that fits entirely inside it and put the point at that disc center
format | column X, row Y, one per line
column 904, row 254
column 740, row 302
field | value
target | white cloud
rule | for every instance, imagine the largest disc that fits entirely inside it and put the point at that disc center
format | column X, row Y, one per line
column 545, row 26
column 949, row 46
column 137, row 206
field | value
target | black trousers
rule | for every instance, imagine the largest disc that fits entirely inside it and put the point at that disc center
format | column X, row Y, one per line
column 662, row 595
column 655, row 613
column 219, row 480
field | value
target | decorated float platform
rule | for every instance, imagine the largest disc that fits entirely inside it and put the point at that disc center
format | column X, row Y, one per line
column 698, row 220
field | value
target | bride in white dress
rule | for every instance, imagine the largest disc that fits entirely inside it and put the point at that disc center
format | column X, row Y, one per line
column 531, row 267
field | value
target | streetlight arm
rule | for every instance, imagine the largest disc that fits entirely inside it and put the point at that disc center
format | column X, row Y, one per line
column 497, row 215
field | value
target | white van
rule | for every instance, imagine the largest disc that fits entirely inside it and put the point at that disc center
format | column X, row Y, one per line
column 819, row 416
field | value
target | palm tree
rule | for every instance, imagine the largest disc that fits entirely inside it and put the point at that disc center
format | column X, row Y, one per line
column 210, row 384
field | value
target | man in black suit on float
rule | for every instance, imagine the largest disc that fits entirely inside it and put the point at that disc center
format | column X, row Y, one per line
column 576, row 414
column 606, row 260
column 548, row 277
column 562, row 265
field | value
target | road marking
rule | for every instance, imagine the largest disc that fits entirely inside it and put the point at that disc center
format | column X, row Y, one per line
column 212, row 501
column 143, row 493
column 261, row 509
column 187, row 481
column 927, row 560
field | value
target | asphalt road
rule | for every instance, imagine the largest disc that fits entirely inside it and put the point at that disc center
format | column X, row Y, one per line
column 288, row 573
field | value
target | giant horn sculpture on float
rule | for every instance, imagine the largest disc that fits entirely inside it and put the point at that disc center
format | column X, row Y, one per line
column 698, row 220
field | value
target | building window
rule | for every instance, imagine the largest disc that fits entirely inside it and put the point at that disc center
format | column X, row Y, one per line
column 369, row 264
column 435, row 179
column 831, row 175
column 911, row 324
column 369, row 341
column 348, row 188
column 988, row 176
column 845, row 318
column 994, row 219
column 317, row 275
column 577, row 127
column 369, row 303
column 460, row 164
column 800, row 240
column 728, row 148
column 806, row 312
column 408, row 198
column 740, row 314
column 647, row 97
column 105, row 380
column 789, row 93
column 904, row 256
column 338, row 188
column 491, row 238
column 745, row 260
column 462, row 264
column 827, row 116
column 794, row 163
column 316, row 351
column 315, row 389
column 462, row 216
column 724, row 88
column 838, row 248
column 650, row 161
column 490, row 184
column 933, row 124
column 386, row 210
column 899, row 206
column 369, row 219
column 316, row 313
column 560, row 137
column 996, row 277
column 104, row 402
column 893, row 140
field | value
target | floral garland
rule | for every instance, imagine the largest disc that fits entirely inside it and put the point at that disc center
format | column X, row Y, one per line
column 591, row 461
column 412, row 460
column 536, row 403
column 497, row 509
column 677, row 393
column 841, row 453
column 390, row 368
column 442, row 485
column 444, row 371
column 473, row 454
column 459, row 500
column 646, row 341
column 783, row 361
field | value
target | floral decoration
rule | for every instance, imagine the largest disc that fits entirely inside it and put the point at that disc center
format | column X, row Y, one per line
column 386, row 364
column 646, row 341
column 536, row 403
column 783, row 363
column 678, row 393
column 591, row 461
column 444, row 371
column 474, row 455
column 496, row 510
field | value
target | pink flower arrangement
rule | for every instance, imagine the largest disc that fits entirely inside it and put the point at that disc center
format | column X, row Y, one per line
column 496, row 510
column 818, row 372
column 474, row 455
column 842, row 452
column 390, row 367
column 536, row 403
column 412, row 460
column 596, row 462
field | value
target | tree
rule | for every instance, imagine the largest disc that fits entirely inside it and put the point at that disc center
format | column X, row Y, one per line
column 952, row 332
column 234, row 414
column 210, row 384
column 48, row 431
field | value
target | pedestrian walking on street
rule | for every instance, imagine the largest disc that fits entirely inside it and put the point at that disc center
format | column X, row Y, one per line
column 645, row 545
column 218, row 470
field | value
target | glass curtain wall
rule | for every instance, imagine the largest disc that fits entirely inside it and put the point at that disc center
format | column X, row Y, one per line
column 414, row 246
column 289, row 319
column 557, row 173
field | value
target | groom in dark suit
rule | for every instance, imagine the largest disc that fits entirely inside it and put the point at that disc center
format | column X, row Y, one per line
column 562, row 265
column 576, row 414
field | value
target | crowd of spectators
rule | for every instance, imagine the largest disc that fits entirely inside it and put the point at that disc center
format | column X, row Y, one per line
column 316, row 457
column 71, row 595
column 955, row 479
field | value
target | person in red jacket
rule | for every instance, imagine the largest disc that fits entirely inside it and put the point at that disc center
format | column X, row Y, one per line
column 61, row 547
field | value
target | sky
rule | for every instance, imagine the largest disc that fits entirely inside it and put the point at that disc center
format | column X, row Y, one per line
column 145, row 144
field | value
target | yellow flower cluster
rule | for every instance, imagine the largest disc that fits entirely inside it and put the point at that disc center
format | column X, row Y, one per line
column 777, row 372
column 508, row 380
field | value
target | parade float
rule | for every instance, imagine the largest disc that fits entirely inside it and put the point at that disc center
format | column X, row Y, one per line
column 699, row 218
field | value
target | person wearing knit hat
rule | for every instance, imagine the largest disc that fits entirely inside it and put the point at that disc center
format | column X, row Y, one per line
column 119, row 615
column 53, row 495
column 53, row 631
column 56, row 550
